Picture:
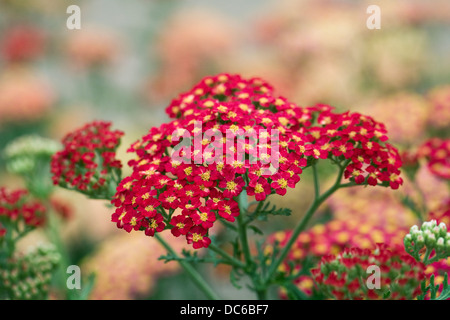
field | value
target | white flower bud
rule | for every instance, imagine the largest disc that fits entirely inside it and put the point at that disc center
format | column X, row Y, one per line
column 430, row 239
column 420, row 240
column 443, row 229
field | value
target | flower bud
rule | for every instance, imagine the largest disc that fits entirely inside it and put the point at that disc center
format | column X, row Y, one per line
column 440, row 243
column 430, row 239
column 414, row 229
column 420, row 240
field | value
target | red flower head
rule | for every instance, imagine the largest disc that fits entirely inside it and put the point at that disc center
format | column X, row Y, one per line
column 88, row 163
column 20, row 211
column 181, row 225
column 154, row 224
column 197, row 236
column 230, row 135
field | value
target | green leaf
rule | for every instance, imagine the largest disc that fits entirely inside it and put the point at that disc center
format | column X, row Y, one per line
column 266, row 210
column 234, row 278
column 424, row 288
column 256, row 230
column 445, row 294
column 87, row 288
column 85, row 291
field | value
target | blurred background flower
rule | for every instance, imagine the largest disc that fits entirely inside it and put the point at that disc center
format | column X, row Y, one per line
column 127, row 267
column 24, row 96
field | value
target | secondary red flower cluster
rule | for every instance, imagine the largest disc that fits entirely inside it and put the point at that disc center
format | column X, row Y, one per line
column 334, row 236
column 345, row 276
column 437, row 152
column 186, row 189
column 16, row 207
column 331, row 238
column 88, row 159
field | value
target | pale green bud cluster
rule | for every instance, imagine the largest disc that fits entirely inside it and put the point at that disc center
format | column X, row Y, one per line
column 28, row 277
column 23, row 153
column 429, row 243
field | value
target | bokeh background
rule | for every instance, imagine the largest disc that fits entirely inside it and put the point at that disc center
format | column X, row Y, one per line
column 132, row 57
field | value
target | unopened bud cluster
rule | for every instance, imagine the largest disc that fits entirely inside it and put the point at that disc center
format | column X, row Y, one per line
column 429, row 243
column 29, row 156
column 28, row 277
column 24, row 153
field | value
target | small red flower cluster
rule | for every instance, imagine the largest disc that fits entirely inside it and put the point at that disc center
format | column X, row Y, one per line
column 88, row 159
column 345, row 276
column 215, row 164
column 16, row 207
column 437, row 152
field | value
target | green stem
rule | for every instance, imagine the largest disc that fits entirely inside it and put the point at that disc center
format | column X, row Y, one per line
column 193, row 274
column 316, row 182
column 261, row 292
column 242, row 231
column 53, row 234
column 232, row 261
column 250, row 266
column 318, row 200
column 9, row 240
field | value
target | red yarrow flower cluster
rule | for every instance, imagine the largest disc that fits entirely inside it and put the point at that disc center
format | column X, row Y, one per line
column 19, row 211
column 345, row 276
column 232, row 134
column 88, row 160
column 437, row 153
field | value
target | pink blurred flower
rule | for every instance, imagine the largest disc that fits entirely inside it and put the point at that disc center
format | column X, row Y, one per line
column 23, row 96
column 404, row 114
column 92, row 46
column 127, row 266
column 439, row 113
column 192, row 44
